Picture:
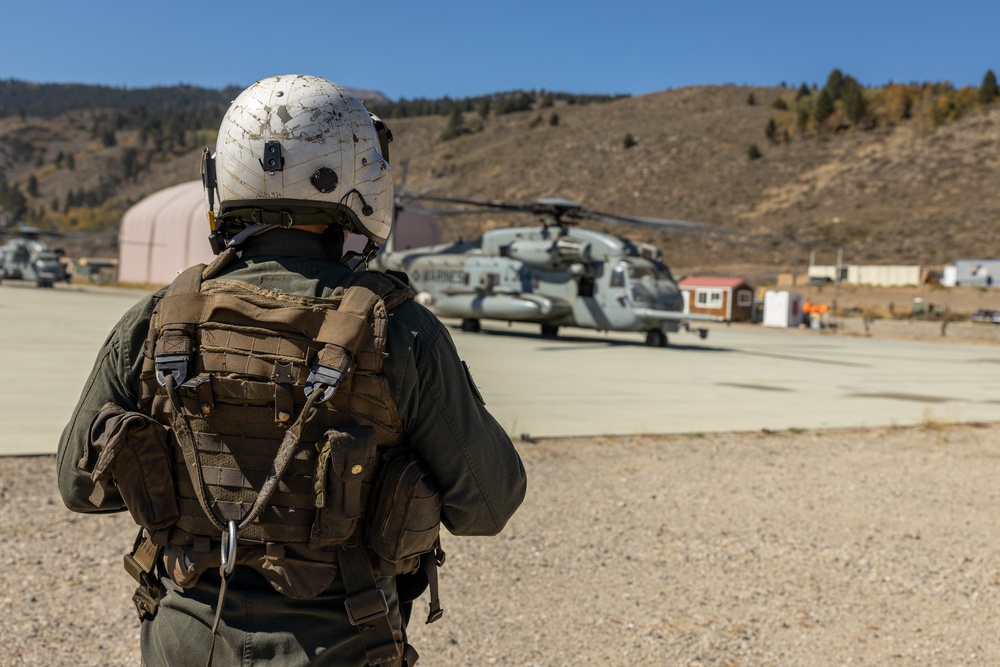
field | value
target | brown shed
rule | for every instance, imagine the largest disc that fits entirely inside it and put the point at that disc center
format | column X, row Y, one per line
column 731, row 298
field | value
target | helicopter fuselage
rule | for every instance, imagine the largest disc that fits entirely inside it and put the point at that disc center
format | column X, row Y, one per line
column 30, row 259
column 548, row 275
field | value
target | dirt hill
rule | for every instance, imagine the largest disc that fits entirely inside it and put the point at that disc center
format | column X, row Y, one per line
column 890, row 195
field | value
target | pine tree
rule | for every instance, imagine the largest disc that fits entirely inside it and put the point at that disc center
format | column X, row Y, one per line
column 854, row 99
column 988, row 89
column 834, row 84
column 771, row 131
column 824, row 106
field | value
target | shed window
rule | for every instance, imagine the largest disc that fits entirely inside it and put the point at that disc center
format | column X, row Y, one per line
column 744, row 299
column 709, row 298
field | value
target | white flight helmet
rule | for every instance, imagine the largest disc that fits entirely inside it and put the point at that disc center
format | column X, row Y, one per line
column 298, row 150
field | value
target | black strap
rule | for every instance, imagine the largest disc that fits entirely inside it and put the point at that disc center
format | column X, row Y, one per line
column 367, row 608
column 430, row 562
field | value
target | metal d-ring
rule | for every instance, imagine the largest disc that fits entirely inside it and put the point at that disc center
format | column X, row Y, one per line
column 229, row 549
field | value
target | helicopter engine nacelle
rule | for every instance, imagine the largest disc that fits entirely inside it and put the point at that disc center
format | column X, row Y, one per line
column 559, row 254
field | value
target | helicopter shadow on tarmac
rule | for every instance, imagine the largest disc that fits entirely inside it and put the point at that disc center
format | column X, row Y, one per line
column 559, row 343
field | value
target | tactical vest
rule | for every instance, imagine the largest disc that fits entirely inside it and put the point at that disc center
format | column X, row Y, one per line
column 265, row 424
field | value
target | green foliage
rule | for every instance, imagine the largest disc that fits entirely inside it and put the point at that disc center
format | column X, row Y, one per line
column 49, row 100
column 537, row 121
column 843, row 104
column 754, row 153
column 629, row 141
column 554, row 119
column 520, row 101
column 823, row 107
column 802, row 120
column 988, row 89
column 483, row 108
column 771, row 131
column 834, row 84
column 751, row 99
column 853, row 99
column 13, row 203
column 32, row 187
column 130, row 163
column 499, row 103
column 454, row 128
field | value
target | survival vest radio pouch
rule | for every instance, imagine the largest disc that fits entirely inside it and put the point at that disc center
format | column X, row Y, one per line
column 267, row 436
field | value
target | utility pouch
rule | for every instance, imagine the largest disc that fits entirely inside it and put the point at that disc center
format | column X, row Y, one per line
column 134, row 451
column 405, row 518
column 344, row 469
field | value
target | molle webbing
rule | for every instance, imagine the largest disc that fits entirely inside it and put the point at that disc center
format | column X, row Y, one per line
column 251, row 353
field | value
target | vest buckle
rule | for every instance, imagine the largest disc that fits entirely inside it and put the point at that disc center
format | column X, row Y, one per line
column 322, row 377
column 175, row 365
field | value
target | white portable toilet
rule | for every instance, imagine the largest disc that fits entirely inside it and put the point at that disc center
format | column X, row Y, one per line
column 949, row 277
column 782, row 309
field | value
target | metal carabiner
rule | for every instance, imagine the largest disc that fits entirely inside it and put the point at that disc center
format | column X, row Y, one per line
column 228, row 549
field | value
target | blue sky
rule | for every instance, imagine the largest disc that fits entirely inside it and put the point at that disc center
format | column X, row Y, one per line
column 432, row 48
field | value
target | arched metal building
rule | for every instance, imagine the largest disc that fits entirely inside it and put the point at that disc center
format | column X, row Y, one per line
column 167, row 232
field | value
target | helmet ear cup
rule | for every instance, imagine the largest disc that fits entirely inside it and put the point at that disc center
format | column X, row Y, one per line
column 384, row 135
column 216, row 238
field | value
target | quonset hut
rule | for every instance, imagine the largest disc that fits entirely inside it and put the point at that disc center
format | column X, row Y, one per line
column 167, row 232
column 163, row 234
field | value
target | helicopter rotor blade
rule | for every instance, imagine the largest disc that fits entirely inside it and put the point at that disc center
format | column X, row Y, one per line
column 568, row 212
column 658, row 224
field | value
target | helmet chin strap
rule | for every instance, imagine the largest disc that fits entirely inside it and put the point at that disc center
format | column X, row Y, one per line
column 248, row 231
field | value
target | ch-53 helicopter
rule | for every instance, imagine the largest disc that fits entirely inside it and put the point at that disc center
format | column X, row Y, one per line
column 27, row 257
column 551, row 274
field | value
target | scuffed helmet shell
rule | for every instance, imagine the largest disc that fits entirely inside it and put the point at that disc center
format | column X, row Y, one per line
column 318, row 126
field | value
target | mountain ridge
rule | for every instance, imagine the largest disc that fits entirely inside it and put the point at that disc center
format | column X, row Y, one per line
column 894, row 194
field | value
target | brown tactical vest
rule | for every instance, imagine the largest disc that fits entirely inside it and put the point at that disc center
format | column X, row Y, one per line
column 279, row 415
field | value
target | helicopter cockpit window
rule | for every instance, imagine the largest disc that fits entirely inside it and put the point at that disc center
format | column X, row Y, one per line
column 618, row 277
column 651, row 285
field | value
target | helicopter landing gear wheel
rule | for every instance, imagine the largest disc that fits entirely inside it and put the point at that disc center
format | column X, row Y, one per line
column 656, row 338
column 471, row 325
column 550, row 330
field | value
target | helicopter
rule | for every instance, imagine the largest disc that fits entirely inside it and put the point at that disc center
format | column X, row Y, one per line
column 27, row 257
column 553, row 274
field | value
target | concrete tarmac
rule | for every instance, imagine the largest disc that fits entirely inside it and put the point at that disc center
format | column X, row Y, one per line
column 582, row 384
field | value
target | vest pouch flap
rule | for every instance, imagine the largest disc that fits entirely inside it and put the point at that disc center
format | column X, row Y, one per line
column 344, row 469
column 135, row 453
column 406, row 516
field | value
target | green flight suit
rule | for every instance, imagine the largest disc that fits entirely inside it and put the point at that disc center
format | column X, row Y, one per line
column 480, row 475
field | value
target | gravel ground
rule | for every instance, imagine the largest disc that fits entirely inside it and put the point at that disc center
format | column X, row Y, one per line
column 851, row 547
